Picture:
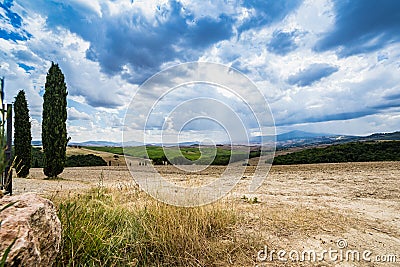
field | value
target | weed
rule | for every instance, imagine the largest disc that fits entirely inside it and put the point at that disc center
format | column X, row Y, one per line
column 250, row 200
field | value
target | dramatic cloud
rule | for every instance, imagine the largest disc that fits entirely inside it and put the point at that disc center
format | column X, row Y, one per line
column 312, row 74
column 128, row 41
column 11, row 23
column 282, row 42
column 362, row 26
column 319, row 63
column 263, row 12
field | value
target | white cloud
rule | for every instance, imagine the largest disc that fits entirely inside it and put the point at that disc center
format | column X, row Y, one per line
column 74, row 114
column 36, row 129
column 364, row 86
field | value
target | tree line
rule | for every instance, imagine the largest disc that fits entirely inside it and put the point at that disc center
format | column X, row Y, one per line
column 349, row 152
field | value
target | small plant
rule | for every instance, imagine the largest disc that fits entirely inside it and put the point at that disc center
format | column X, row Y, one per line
column 250, row 200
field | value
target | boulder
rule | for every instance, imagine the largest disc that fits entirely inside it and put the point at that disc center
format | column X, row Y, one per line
column 33, row 221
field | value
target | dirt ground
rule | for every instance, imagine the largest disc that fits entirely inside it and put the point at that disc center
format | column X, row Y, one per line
column 342, row 208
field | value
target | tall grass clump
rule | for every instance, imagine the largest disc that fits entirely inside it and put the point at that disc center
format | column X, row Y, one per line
column 123, row 227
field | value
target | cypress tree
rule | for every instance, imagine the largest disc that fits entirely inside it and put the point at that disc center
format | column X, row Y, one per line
column 54, row 129
column 22, row 135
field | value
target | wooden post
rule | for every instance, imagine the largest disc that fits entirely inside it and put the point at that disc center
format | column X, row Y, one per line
column 6, row 176
column 2, row 177
column 8, row 170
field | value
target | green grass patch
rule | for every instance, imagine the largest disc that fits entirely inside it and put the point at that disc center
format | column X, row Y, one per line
column 110, row 149
column 186, row 155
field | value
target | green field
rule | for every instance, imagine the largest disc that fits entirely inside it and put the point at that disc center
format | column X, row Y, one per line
column 182, row 155
column 114, row 150
column 191, row 153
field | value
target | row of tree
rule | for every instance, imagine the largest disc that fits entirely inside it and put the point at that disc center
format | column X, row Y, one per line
column 54, row 129
column 349, row 152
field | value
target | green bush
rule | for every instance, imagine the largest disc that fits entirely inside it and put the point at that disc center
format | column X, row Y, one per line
column 85, row 160
column 72, row 161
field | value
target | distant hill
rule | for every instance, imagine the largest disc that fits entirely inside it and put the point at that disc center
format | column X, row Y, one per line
column 36, row 142
column 95, row 143
column 285, row 140
column 87, row 143
column 306, row 139
column 295, row 138
column 293, row 135
column 382, row 136
column 362, row 151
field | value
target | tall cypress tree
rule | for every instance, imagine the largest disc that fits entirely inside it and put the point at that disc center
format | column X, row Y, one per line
column 22, row 135
column 54, row 129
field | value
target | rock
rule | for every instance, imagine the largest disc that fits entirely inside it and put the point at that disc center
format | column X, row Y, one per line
column 33, row 221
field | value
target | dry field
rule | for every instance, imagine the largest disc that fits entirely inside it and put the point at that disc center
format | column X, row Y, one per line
column 298, row 208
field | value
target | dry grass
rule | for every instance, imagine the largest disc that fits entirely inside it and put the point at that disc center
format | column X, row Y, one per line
column 124, row 227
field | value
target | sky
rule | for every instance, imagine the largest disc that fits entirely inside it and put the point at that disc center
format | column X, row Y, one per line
column 323, row 66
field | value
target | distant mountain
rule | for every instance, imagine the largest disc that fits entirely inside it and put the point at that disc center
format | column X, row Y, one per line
column 194, row 143
column 87, row 143
column 305, row 139
column 382, row 136
column 290, row 139
column 133, row 143
column 36, row 143
column 95, row 143
column 293, row 135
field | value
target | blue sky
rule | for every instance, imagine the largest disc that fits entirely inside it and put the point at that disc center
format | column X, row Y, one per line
column 323, row 66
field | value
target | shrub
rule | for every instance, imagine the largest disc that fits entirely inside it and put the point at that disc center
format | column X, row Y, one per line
column 85, row 160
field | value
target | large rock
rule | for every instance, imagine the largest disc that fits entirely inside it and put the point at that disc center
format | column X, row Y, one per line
column 33, row 220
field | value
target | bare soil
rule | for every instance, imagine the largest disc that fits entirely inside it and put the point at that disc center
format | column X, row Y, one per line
column 298, row 207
